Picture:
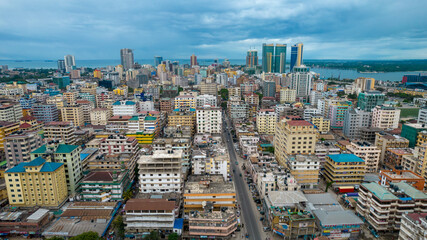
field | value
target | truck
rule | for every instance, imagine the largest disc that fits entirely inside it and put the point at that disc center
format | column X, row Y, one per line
column 346, row 189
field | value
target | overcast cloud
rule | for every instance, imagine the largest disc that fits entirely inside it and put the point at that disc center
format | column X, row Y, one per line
column 329, row 29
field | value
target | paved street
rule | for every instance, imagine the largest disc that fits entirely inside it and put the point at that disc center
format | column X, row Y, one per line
column 244, row 197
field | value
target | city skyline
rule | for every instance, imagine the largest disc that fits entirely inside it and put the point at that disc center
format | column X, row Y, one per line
column 224, row 30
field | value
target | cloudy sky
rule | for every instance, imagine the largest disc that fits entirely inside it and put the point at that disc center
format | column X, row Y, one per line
column 97, row 29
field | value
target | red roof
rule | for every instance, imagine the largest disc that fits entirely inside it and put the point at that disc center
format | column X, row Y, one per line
column 120, row 118
column 28, row 118
column 149, row 204
column 299, row 123
column 25, row 125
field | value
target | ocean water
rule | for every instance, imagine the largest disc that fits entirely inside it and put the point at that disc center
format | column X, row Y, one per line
column 324, row 72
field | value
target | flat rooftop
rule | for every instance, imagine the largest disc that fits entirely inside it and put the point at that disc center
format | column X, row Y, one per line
column 401, row 174
column 337, row 218
column 201, row 184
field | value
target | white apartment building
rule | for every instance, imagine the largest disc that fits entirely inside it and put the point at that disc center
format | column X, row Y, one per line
column 100, row 116
column 413, row 226
column 385, row 117
column 288, row 95
column 10, row 112
column 249, row 144
column 124, row 108
column 209, row 120
column 161, row 172
column 422, row 116
column 368, row 152
column 266, row 121
column 218, row 165
column 115, row 144
column 206, row 99
column 310, row 112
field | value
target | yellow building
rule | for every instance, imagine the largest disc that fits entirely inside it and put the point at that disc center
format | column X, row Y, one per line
column 266, row 121
column 123, row 90
column 37, row 183
column 6, row 128
column 182, row 118
column 323, row 125
column 344, row 169
column 70, row 97
column 185, row 102
column 293, row 136
column 73, row 114
column 142, row 137
column 57, row 100
column 3, row 189
column 97, row 74
column 288, row 95
column 421, row 138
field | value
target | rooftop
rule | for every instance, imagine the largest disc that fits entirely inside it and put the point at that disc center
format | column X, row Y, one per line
column 297, row 123
column 47, row 166
column 410, row 191
column 345, row 158
column 379, row 191
column 285, row 198
column 149, row 204
column 200, row 184
column 337, row 218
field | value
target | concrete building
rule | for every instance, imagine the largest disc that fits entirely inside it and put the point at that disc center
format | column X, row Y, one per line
column 384, row 140
column 203, row 100
column 269, row 89
column 293, row 136
column 185, row 102
column 422, row 115
column 161, row 172
column 220, row 224
column 367, row 101
column 203, row 164
column 115, row 144
column 10, row 111
column 335, row 111
column 239, row 111
column 344, row 169
column 324, row 149
column 142, row 216
column 104, row 186
column 266, row 121
column 364, row 84
column 309, row 112
column 287, row 95
column 37, row 183
column 19, row 145
column 300, row 80
column 63, row 131
column 124, row 108
column 182, row 118
column 100, row 116
column 354, row 121
column 322, row 125
column 175, row 143
column 368, row 152
column 375, row 201
column 305, row 169
column 385, row 117
column 46, row 112
column 7, row 128
column 252, row 99
column 208, row 88
column 413, row 226
column 393, row 156
column 73, row 114
column 69, row 155
column 388, row 177
column 411, row 131
column 209, row 120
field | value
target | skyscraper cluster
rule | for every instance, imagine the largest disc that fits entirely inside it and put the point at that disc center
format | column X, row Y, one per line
column 274, row 58
column 252, row 58
column 296, row 56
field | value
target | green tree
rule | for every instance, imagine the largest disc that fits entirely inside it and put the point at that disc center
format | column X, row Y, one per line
column 173, row 236
column 340, row 93
column 260, row 96
column 127, row 195
column 87, row 236
column 328, row 185
column 224, row 105
column 224, row 94
column 55, row 238
column 352, row 96
column 119, row 226
column 154, row 235
column 180, row 89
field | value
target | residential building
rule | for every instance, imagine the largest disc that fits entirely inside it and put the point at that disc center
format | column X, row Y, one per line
column 413, row 226
column 166, row 105
column 64, row 131
column 124, row 108
column 362, row 84
column 300, row 80
column 238, row 111
column 218, row 224
column 336, row 113
column 46, row 112
column 368, row 152
column 179, row 117
column 287, row 95
column 10, row 111
column 70, row 62
column 344, row 169
column 266, row 121
column 324, row 149
column 369, row 100
column 175, row 143
column 209, row 120
column 203, row 164
column 37, row 183
column 142, row 216
column 252, row 99
column 69, row 155
column 321, row 124
column 126, row 56
column 397, row 175
column 206, row 99
column 411, row 131
column 269, row 89
column 384, row 141
column 385, row 117
column 208, row 88
column 305, row 169
column 19, row 145
column 308, row 113
column 115, row 144
column 393, row 156
column 293, row 136
column 354, row 121
column 422, row 116
column 7, row 128
column 161, row 172
column 375, row 201
column 234, row 92
column 193, row 60
column 104, row 186
column 100, row 116
column 185, row 102
column 73, row 114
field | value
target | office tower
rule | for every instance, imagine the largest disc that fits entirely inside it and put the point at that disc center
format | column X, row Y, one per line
column 157, row 60
column 252, row 58
column 62, row 82
column 269, row 89
column 280, row 58
column 370, row 99
column 193, row 60
column 296, row 55
column 61, row 65
column 70, row 63
column 300, row 80
column 267, row 57
column 126, row 56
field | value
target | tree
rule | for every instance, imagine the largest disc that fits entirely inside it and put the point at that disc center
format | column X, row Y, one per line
column 224, row 94
column 260, row 96
column 55, row 238
column 328, row 185
column 127, row 195
column 352, row 96
column 87, row 236
column 224, row 105
column 173, row 236
column 154, row 235
column 340, row 93
column 119, row 226
column 180, row 89
column 322, row 139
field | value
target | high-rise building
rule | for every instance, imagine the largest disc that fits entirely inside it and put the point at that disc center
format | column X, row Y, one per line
column 370, row 99
column 300, row 80
column 157, row 60
column 252, row 58
column 267, row 57
column 296, row 56
column 193, row 60
column 266, row 121
column 280, row 58
column 209, row 120
column 354, row 121
column 61, row 65
column 385, row 117
column 18, row 146
column 70, row 63
column 269, row 89
column 127, row 60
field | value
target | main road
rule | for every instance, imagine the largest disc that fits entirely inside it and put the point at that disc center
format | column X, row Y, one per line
column 244, row 197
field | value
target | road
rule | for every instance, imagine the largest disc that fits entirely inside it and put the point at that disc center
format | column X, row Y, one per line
column 243, row 196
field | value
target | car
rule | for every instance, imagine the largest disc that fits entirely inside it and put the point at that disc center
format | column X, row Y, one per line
column 234, row 170
column 240, row 174
column 237, row 163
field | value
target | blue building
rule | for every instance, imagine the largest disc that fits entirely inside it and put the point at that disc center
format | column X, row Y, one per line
column 296, row 55
column 27, row 103
column 45, row 112
column 157, row 60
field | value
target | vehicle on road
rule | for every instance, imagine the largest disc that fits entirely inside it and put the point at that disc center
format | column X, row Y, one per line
column 234, row 170
column 240, row 174
column 247, row 235
column 237, row 163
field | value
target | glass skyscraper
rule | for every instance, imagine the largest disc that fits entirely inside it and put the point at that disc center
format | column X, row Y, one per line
column 280, row 58
column 296, row 55
column 274, row 58
column 157, row 61
column 252, row 58
column 267, row 57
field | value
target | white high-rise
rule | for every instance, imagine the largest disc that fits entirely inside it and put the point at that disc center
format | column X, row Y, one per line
column 70, row 63
column 127, row 60
column 209, row 120
column 300, row 80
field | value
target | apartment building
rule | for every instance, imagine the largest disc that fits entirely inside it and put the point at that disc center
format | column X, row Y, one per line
column 185, row 102
column 161, row 172
column 7, row 128
column 396, row 175
column 100, row 116
column 266, row 121
column 393, row 156
column 384, row 141
column 209, row 120
column 368, row 152
column 166, row 105
column 344, row 169
column 116, row 144
column 206, row 99
column 19, row 145
column 36, row 183
column 64, row 131
column 369, row 100
column 218, row 224
column 208, row 88
column 176, row 143
column 305, row 169
column 385, row 117
column 383, row 207
column 238, row 111
column 73, row 114
column 321, row 124
column 69, row 155
column 104, row 186
column 124, row 108
column 413, row 226
column 287, row 95
column 324, row 149
column 46, row 112
column 293, row 136
column 336, row 112
column 413, row 132
column 208, row 188
column 234, row 92
column 252, row 99
column 10, row 111
column 355, row 120
column 181, row 118
column 206, row 164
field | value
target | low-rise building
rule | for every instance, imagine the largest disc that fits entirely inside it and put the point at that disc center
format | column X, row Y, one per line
column 220, row 224
column 104, row 186
column 344, row 169
column 393, row 156
column 324, row 149
column 100, row 116
column 384, row 140
column 322, row 125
